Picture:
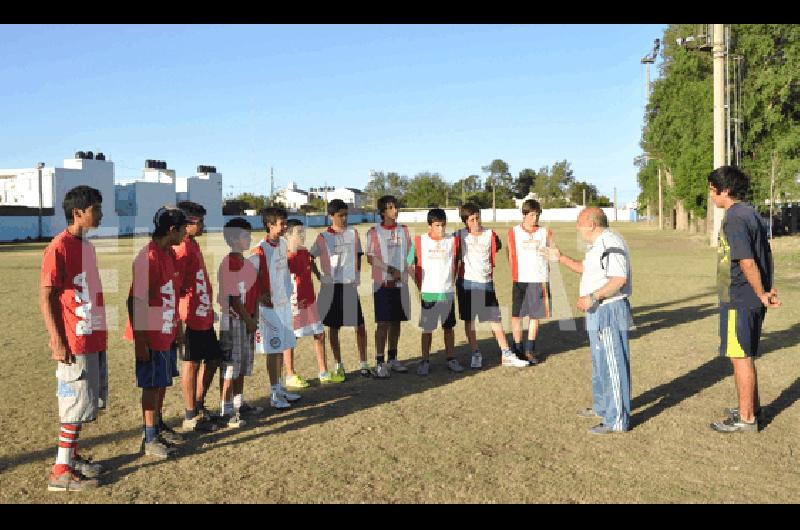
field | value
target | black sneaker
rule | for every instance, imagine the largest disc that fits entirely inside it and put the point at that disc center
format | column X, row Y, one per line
column 734, row 424
column 531, row 358
column 170, row 435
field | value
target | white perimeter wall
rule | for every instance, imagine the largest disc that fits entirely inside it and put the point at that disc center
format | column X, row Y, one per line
column 515, row 215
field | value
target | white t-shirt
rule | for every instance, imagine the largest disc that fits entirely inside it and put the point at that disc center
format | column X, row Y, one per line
column 391, row 245
column 477, row 255
column 528, row 265
column 338, row 253
column 436, row 260
column 596, row 273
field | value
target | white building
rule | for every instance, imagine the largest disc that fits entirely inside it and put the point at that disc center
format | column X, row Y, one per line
column 292, row 197
column 352, row 196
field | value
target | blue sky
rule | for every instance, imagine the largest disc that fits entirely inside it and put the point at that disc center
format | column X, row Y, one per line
column 328, row 103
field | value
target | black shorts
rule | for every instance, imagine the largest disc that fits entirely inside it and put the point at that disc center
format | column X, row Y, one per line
column 740, row 331
column 201, row 345
column 432, row 313
column 481, row 303
column 531, row 300
column 391, row 304
column 339, row 305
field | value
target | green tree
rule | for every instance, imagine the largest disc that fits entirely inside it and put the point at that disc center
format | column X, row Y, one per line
column 381, row 184
column 551, row 185
column 593, row 197
column 473, row 191
column 499, row 177
column 426, row 190
column 524, row 183
column 256, row 202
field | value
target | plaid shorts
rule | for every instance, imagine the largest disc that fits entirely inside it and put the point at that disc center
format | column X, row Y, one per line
column 237, row 349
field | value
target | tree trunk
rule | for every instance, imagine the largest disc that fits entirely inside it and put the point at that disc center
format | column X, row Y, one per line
column 682, row 216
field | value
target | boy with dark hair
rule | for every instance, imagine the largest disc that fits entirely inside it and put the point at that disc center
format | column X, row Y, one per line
column 745, row 284
column 387, row 247
column 478, row 247
column 433, row 256
column 530, row 276
column 201, row 353
column 71, row 302
column 339, row 251
column 305, row 318
column 275, row 334
column 238, row 297
column 154, row 326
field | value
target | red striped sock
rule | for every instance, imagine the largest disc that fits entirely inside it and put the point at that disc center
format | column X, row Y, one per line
column 67, row 444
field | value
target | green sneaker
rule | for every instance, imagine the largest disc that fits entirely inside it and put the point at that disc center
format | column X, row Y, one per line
column 296, row 381
column 338, row 375
column 327, row 378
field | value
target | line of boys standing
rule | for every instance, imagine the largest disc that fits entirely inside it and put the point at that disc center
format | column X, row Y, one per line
column 267, row 301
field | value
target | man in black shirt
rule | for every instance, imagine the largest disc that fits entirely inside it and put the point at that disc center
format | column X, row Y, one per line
column 744, row 282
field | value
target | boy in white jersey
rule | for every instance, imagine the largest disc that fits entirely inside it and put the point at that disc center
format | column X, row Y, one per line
column 339, row 251
column 433, row 256
column 387, row 247
column 530, row 274
column 475, row 286
column 275, row 334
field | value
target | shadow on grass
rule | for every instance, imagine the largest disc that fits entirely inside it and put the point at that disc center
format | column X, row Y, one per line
column 319, row 404
column 710, row 373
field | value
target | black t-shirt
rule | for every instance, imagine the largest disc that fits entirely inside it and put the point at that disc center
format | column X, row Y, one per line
column 743, row 236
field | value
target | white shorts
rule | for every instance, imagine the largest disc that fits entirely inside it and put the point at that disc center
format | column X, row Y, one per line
column 275, row 332
column 82, row 388
column 237, row 349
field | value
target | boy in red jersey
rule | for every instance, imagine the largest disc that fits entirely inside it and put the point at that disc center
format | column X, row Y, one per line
column 305, row 318
column 238, row 297
column 71, row 301
column 201, row 353
column 153, row 325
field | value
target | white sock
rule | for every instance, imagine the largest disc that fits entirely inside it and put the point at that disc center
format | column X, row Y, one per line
column 238, row 399
column 323, row 374
column 225, row 408
column 339, row 365
column 364, row 364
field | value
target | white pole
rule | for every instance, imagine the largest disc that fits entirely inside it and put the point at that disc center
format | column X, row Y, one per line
column 660, row 202
column 719, row 120
column 39, row 167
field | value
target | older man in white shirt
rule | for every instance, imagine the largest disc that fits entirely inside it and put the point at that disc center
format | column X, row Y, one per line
column 604, row 290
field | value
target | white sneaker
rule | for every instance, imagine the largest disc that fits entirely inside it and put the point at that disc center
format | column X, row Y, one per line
column 383, row 371
column 423, row 368
column 277, row 401
column 454, row 365
column 396, row 366
column 288, row 396
column 512, row 360
column 477, row 360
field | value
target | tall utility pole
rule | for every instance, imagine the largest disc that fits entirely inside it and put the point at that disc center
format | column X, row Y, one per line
column 271, row 187
column 39, row 168
column 647, row 60
column 584, row 197
column 615, row 203
column 494, row 204
column 772, row 191
column 718, row 52
column 660, row 202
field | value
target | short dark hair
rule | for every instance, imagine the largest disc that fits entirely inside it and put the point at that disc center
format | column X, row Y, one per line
column 336, row 205
column 730, row 178
column 467, row 209
column 384, row 203
column 271, row 215
column 192, row 209
column 165, row 218
column 80, row 197
column 531, row 205
column 291, row 223
column 436, row 215
column 233, row 229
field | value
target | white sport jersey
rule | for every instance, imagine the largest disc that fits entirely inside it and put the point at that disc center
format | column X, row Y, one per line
column 527, row 264
column 338, row 254
column 277, row 273
column 436, row 263
column 391, row 245
column 477, row 255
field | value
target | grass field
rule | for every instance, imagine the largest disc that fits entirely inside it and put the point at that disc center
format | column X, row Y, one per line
column 494, row 435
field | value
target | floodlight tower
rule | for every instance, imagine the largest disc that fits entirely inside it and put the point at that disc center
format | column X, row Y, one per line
column 647, row 60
